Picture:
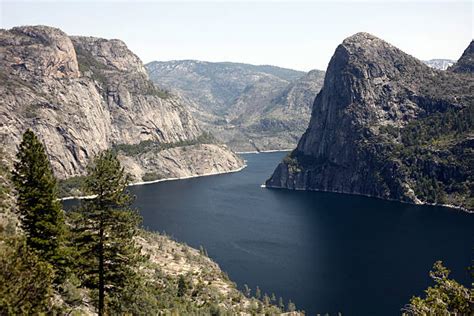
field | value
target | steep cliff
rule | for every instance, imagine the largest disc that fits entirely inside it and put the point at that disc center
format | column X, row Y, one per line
column 247, row 107
column 465, row 64
column 388, row 126
column 82, row 95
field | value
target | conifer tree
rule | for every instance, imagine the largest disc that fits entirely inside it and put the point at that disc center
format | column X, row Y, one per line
column 41, row 216
column 281, row 305
column 108, row 256
column 25, row 280
column 182, row 286
column 446, row 297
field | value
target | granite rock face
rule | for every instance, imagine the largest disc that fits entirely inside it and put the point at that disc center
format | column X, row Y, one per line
column 181, row 162
column 250, row 108
column 386, row 125
column 82, row 95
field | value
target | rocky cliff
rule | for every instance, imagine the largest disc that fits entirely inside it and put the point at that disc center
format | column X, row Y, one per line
column 248, row 107
column 386, row 125
column 82, row 95
column 465, row 64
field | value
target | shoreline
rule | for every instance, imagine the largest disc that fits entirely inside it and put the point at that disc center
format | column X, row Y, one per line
column 85, row 197
column 188, row 177
column 450, row 206
column 263, row 151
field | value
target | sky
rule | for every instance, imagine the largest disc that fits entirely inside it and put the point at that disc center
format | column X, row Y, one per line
column 298, row 35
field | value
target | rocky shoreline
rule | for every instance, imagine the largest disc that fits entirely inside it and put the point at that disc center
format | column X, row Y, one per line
column 161, row 180
column 450, row 206
column 263, row 151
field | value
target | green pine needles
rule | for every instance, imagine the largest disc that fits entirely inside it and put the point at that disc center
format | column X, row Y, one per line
column 41, row 216
column 105, row 227
column 97, row 246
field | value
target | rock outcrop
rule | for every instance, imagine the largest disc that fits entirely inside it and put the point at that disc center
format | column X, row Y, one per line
column 82, row 95
column 465, row 64
column 250, row 108
column 386, row 125
column 180, row 162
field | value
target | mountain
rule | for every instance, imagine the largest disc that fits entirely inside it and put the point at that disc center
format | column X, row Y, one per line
column 248, row 107
column 441, row 64
column 465, row 64
column 82, row 95
column 388, row 126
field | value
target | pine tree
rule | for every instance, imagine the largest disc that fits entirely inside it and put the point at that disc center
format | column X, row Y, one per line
column 247, row 290
column 273, row 298
column 281, row 305
column 446, row 297
column 25, row 280
column 266, row 299
column 41, row 216
column 291, row 306
column 108, row 256
column 182, row 286
column 258, row 293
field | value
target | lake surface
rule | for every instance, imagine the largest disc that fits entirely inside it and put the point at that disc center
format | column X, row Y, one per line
column 326, row 252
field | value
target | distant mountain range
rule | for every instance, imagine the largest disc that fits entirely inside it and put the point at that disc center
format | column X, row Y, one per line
column 250, row 108
column 388, row 126
column 441, row 64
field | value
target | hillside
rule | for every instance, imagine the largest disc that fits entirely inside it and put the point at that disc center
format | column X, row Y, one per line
column 82, row 95
column 386, row 125
column 250, row 108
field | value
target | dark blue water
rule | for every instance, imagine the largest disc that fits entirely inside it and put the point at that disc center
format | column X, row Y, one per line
column 326, row 252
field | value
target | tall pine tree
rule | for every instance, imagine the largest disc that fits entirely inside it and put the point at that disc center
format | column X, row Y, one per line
column 41, row 216
column 106, row 225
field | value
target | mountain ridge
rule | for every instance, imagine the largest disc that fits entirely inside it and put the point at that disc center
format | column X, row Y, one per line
column 364, row 134
column 243, row 105
column 82, row 95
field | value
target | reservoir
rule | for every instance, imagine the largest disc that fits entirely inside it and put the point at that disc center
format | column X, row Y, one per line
column 326, row 252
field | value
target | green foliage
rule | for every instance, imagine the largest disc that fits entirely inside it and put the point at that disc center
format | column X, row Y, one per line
column 87, row 63
column 41, row 216
column 258, row 293
column 291, row 306
column 70, row 186
column 150, row 176
column 8, row 220
column 150, row 145
column 447, row 297
column 105, row 227
column 292, row 162
column 438, row 127
column 151, row 89
column 281, row 304
column 247, row 290
column 182, row 286
column 433, row 155
column 25, row 280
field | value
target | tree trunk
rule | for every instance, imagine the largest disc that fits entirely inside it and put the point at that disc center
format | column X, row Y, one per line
column 101, row 273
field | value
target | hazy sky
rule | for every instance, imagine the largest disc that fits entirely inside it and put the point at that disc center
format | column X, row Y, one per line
column 299, row 35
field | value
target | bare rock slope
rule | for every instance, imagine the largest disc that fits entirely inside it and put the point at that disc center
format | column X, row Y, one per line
column 82, row 95
column 387, row 125
column 248, row 107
